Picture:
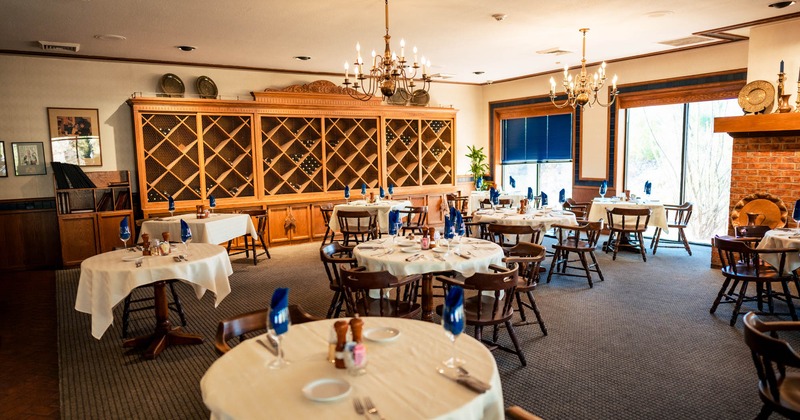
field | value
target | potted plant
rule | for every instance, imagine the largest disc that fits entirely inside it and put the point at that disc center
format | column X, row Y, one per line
column 478, row 165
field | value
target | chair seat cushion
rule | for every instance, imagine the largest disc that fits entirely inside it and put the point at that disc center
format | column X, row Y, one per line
column 743, row 271
column 570, row 244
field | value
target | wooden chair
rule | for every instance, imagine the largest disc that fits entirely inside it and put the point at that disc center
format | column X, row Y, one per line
column 390, row 297
column 416, row 219
column 754, row 234
column 743, row 264
column 361, row 225
column 581, row 240
column 508, row 236
column 261, row 229
column 778, row 387
column 581, row 210
column 488, row 301
column 460, row 202
column 624, row 222
column 528, row 257
column 131, row 304
column 485, row 203
column 518, row 413
column 677, row 218
column 332, row 255
column 255, row 321
column 327, row 211
column 505, row 203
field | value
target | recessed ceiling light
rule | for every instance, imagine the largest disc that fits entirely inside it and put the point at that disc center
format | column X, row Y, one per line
column 659, row 13
column 302, row 57
column 499, row 16
column 110, row 37
column 781, row 4
column 477, row 72
column 186, row 48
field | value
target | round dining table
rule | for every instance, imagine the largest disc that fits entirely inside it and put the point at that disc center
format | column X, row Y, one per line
column 658, row 214
column 472, row 256
column 543, row 218
column 400, row 377
column 782, row 238
column 380, row 208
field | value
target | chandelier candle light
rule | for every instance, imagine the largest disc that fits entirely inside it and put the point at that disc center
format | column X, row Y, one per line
column 389, row 71
column 582, row 90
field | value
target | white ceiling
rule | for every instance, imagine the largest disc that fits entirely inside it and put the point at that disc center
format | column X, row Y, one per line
column 459, row 36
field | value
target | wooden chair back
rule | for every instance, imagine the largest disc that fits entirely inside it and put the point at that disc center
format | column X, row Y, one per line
column 505, row 202
column 528, row 256
column 261, row 216
column 738, row 258
column 356, row 221
column 578, row 238
column 396, row 297
column 679, row 216
column 461, row 203
column 332, row 255
column 629, row 220
column 327, row 211
column 509, row 235
column 771, row 356
column 581, row 210
column 493, row 294
column 415, row 218
column 485, row 203
column 251, row 322
column 755, row 232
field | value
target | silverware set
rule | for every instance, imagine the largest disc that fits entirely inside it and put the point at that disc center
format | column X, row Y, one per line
column 367, row 408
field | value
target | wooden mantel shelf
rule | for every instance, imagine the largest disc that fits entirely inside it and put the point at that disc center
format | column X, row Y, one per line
column 769, row 125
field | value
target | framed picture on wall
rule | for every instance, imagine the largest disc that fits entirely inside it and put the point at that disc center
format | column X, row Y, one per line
column 3, row 166
column 75, row 136
column 28, row 158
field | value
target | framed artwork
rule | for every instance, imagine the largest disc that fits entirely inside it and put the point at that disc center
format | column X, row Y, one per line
column 3, row 166
column 28, row 158
column 75, row 136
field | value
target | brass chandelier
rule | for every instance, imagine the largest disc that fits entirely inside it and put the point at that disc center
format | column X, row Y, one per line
column 389, row 72
column 582, row 90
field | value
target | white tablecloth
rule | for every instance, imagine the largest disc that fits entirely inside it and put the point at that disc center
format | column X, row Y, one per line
column 400, row 377
column 779, row 238
column 106, row 279
column 476, row 197
column 216, row 229
column 381, row 208
column 483, row 253
column 544, row 218
column 658, row 215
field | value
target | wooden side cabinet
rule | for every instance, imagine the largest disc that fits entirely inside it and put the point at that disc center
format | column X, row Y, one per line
column 88, row 218
column 278, row 234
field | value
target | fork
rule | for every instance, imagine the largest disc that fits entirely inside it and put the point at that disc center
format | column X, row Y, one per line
column 359, row 408
column 372, row 409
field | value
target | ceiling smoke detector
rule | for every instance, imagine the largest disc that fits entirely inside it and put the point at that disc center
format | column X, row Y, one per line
column 554, row 51
column 689, row 40
column 59, row 46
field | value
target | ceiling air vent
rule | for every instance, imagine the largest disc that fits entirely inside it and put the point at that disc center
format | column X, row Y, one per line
column 442, row 76
column 689, row 40
column 59, row 46
column 554, row 51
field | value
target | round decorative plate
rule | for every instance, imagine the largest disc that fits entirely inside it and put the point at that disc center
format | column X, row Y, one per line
column 328, row 389
column 771, row 210
column 172, row 85
column 400, row 97
column 206, row 87
column 757, row 96
column 420, row 98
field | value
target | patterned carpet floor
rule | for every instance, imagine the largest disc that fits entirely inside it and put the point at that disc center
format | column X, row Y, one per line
column 640, row 345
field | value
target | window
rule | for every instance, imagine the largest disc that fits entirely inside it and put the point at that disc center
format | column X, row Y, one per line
column 537, row 152
column 675, row 147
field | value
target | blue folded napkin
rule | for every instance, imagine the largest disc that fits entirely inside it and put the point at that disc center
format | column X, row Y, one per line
column 562, row 196
column 363, row 189
column 494, row 196
column 382, row 193
column 544, row 199
column 171, row 203
column 530, row 194
column 186, row 232
column 603, row 187
column 212, row 202
column 512, row 181
column 648, row 187
column 796, row 213
column 448, row 227
column 460, row 224
column 453, row 311
column 391, row 189
column 124, row 229
column 346, row 192
column 394, row 218
column 279, row 310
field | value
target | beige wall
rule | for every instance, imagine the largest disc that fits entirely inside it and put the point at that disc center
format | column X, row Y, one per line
column 769, row 44
column 32, row 84
column 595, row 128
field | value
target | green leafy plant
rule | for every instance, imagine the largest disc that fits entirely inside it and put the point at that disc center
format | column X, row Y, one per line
column 478, row 166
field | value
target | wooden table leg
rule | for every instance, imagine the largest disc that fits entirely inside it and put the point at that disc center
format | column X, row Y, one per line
column 427, row 297
column 164, row 335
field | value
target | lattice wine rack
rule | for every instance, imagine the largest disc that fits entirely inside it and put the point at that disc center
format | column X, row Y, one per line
column 171, row 157
column 228, row 154
column 292, row 154
column 352, row 152
column 402, row 152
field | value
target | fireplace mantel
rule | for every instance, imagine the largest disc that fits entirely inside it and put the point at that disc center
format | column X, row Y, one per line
column 768, row 125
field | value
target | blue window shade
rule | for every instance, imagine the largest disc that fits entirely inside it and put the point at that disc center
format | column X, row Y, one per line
column 537, row 139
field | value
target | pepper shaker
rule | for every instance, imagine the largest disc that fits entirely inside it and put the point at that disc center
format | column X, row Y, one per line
column 341, row 340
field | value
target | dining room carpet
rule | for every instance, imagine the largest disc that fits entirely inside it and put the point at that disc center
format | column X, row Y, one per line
column 640, row 345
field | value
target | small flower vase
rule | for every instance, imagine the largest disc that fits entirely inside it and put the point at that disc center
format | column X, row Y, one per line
column 479, row 183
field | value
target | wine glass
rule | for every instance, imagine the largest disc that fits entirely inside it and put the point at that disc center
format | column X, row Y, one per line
column 453, row 322
column 279, row 324
column 397, row 227
column 171, row 204
column 456, row 238
column 212, row 202
column 124, row 234
column 186, row 236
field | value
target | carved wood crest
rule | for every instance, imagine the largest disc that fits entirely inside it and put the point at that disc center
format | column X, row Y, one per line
column 319, row 86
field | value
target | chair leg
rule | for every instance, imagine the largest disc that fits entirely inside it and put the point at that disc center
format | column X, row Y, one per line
column 596, row 265
column 616, row 245
column 553, row 264
column 126, row 315
column 641, row 246
column 582, row 257
column 332, row 306
column 765, row 412
column 738, row 305
column 246, row 247
column 789, row 302
column 266, row 249
column 229, row 246
column 178, row 305
column 520, row 306
column 682, row 235
column 513, row 336
column 654, row 241
column 536, row 312
column 720, row 294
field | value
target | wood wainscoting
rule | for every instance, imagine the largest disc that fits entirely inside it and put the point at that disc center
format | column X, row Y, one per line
column 29, row 232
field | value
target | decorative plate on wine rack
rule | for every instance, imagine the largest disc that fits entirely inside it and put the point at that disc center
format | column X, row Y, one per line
column 420, row 98
column 400, row 97
column 757, row 97
column 206, row 87
column 172, row 85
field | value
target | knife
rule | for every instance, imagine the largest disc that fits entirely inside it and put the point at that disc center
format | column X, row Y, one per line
column 468, row 381
column 268, row 347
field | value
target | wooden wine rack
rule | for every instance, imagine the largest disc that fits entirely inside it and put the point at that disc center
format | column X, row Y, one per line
column 299, row 145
